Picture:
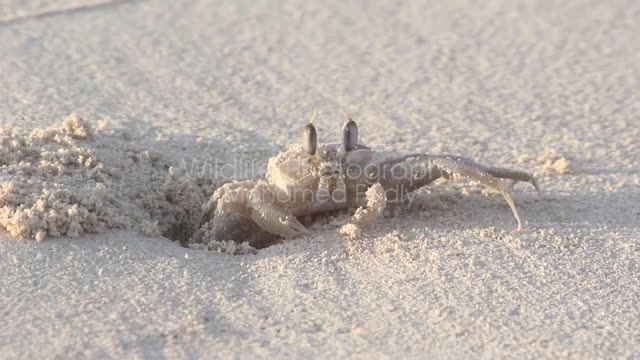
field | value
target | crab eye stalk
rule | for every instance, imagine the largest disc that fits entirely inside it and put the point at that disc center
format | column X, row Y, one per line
column 350, row 135
column 310, row 139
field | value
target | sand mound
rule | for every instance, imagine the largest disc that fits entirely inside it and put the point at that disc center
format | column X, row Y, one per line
column 74, row 179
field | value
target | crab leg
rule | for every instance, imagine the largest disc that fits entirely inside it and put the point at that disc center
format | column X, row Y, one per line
column 404, row 175
column 498, row 172
column 270, row 217
column 457, row 167
column 224, row 198
column 249, row 205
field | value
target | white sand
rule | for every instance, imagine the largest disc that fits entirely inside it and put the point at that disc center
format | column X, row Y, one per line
column 73, row 180
column 539, row 86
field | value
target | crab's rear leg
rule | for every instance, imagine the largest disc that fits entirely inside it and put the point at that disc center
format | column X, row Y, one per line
column 401, row 176
column 459, row 167
column 404, row 175
column 503, row 173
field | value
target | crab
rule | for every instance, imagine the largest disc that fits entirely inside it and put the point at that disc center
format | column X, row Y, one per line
column 310, row 179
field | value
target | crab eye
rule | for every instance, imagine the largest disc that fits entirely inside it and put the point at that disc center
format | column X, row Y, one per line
column 309, row 139
column 350, row 135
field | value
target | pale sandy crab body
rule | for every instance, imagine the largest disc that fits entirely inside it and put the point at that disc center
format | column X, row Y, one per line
column 312, row 179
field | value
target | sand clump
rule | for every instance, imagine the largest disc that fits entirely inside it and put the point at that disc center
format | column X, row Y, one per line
column 550, row 162
column 74, row 180
column 76, row 127
column 560, row 166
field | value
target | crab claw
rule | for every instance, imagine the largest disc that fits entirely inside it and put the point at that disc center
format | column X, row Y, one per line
column 277, row 221
column 237, row 228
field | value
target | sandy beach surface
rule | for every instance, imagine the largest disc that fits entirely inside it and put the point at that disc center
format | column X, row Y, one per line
column 542, row 86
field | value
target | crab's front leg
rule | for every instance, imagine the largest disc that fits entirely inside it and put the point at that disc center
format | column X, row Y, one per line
column 246, row 211
column 232, row 196
column 370, row 211
column 266, row 212
column 255, row 200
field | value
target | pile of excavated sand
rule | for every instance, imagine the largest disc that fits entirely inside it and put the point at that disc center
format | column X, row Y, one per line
column 74, row 180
